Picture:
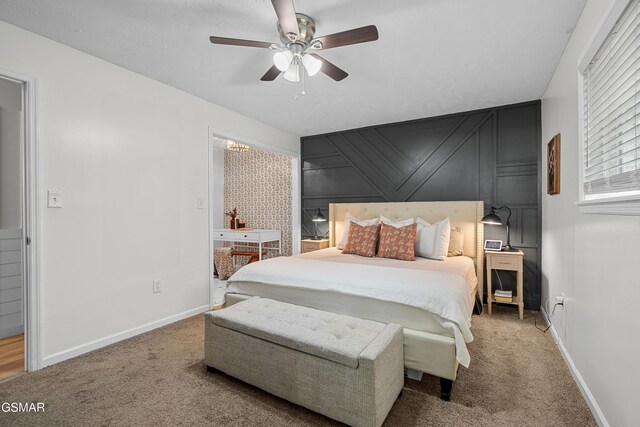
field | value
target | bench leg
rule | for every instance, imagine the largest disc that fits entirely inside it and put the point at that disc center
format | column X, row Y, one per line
column 445, row 389
column 211, row 369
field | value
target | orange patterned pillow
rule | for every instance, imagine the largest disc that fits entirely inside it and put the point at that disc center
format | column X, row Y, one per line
column 362, row 240
column 397, row 243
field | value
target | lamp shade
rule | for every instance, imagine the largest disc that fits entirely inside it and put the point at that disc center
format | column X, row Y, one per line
column 293, row 73
column 311, row 64
column 282, row 59
column 491, row 218
column 318, row 217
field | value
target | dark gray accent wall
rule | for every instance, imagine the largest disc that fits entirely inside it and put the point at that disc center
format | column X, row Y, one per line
column 491, row 155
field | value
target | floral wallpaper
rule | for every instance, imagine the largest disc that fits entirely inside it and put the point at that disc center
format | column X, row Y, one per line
column 258, row 184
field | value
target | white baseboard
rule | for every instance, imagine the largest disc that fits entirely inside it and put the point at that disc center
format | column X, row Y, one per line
column 582, row 385
column 111, row 339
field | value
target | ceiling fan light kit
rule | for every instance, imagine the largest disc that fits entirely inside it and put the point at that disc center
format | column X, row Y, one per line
column 292, row 74
column 297, row 32
column 282, row 59
column 311, row 64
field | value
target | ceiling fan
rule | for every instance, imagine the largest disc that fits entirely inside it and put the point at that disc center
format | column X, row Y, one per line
column 299, row 44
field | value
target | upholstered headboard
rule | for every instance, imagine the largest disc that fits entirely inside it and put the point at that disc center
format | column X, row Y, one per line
column 465, row 215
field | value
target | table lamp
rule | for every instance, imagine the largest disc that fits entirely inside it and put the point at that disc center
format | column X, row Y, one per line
column 318, row 217
column 493, row 219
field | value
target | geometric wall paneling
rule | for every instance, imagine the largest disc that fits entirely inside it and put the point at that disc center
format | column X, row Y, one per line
column 486, row 159
column 531, row 277
column 515, row 189
column 342, row 182
column 529, row 226
column 323, row 161
column 462, row 133
column 315, row 146
column 448, row 183
column 490, row 155
column 509, row 123
column 417, row 139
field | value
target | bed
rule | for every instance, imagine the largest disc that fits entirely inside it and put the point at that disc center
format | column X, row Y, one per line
column 435, row 315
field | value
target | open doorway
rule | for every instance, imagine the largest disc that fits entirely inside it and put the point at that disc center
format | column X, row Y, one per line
column 12, row 290
column 20, row 296
column 262, row 184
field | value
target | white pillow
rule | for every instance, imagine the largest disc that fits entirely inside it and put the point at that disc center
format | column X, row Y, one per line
column 432, row 240
column 396, row 224
column 347, row 220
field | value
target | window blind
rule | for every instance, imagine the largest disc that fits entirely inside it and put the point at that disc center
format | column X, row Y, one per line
column 612, row 110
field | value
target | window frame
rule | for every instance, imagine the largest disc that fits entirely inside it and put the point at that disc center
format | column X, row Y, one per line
column 609, row 203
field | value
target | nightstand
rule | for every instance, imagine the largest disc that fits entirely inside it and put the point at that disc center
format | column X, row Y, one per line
column 310, row 245
column 511, row 261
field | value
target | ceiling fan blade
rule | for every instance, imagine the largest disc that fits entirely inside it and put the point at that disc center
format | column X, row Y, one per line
column 271, row 75
column 238, row 42
column 345, row 38
column 331, row 70
column 287, row 17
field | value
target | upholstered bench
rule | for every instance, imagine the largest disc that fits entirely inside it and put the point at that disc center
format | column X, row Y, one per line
column 346, row 368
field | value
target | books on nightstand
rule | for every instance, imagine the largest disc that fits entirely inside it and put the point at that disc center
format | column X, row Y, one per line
column 503, row 296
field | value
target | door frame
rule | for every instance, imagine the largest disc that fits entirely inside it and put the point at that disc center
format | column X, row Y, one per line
column 295, row 189
column 32, row 221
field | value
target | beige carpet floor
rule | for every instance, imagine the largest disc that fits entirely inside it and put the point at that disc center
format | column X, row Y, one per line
column 517, row 377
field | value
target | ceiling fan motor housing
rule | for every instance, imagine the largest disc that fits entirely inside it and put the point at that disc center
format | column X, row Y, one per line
column 306, row 30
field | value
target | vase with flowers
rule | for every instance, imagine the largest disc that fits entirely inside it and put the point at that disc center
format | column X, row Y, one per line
column 232, row 215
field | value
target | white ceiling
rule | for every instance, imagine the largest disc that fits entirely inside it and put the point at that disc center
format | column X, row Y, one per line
column 433, row 56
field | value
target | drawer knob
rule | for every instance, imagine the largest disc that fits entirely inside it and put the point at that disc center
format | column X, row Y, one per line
column 245, row 235
column 221, row 234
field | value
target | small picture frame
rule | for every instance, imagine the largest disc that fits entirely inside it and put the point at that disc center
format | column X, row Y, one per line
column 493, row 245
column 553, row 165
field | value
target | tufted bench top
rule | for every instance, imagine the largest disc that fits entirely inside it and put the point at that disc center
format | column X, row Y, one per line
column 330, row 336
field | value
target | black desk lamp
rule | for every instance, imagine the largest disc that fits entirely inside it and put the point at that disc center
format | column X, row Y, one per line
column 493, row 219
column 318, row 217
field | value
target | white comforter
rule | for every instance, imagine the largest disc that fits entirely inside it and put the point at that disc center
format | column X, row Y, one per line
column 442, row 293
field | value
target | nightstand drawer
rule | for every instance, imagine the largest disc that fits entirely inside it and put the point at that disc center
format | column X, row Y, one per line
column 505, row 262
column 313, row 245
column 308, row 247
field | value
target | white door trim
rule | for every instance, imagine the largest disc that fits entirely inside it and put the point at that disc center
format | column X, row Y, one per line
column 32, row 268
column 296, row 197
column 249, row 141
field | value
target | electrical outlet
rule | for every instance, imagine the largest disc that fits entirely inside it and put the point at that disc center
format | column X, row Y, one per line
column 560, row 300
column 156, row 286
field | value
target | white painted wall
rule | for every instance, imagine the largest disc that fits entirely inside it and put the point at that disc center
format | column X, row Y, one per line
column 10, row 163
column 129, row 156
column 593, row 259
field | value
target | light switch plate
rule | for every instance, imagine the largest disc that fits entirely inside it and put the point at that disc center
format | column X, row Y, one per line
column 54, row 200
column 200, row 203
